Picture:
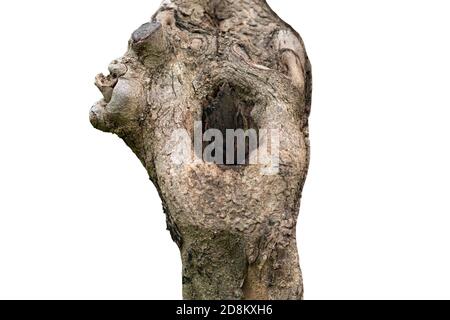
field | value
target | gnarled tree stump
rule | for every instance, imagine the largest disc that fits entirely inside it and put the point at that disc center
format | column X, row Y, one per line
column 226, row 65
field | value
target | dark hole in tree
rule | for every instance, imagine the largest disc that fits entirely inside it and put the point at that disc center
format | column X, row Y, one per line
column 227, row 109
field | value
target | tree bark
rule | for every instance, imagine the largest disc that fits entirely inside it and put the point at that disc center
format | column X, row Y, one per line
column 226, row 64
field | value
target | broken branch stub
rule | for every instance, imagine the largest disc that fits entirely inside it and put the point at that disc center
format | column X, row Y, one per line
column 214, row 98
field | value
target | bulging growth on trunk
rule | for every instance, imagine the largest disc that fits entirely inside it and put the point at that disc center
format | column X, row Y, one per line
column 213, row 96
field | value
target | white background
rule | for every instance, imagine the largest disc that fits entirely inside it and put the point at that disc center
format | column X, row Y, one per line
column 79, row 218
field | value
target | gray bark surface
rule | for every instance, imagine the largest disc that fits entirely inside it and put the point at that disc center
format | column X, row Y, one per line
column 235, row 227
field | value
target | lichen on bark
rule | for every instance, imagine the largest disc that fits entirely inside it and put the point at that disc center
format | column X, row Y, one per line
column 230, row 64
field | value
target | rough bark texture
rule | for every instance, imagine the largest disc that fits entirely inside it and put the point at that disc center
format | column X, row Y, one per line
column 215, row 61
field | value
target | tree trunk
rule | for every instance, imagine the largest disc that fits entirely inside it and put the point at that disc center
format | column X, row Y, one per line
column 198, row 69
